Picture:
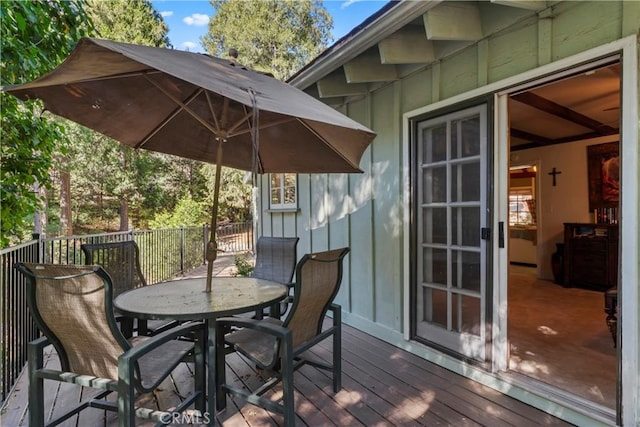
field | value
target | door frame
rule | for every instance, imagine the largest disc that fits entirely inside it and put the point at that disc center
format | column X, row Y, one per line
column 629, row 329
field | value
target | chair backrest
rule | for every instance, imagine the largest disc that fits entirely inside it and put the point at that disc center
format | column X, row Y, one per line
column 120, row 259
column 318, row 278
column 72, row 306
column 275, row 258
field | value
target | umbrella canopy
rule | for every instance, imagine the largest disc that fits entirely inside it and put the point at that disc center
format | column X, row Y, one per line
column 173, row 102
column 196, row 106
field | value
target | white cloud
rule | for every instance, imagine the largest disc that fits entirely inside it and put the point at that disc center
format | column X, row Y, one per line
column 190, row 46
column 348, row 3
column 197, row 19
column 166, row 13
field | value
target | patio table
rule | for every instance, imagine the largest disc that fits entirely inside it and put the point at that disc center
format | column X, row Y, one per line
column 185, row 299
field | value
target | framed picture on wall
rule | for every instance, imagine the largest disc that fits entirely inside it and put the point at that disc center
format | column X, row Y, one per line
column 603, row 166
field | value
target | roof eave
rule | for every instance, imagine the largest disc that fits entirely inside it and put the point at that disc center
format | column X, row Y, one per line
column 353, row 44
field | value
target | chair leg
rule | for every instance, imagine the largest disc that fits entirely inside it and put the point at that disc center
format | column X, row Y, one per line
column 126, row 327
column 36, row 386
column 337, row 351
column 143, row 330
column 200, row 371
column 610, row 307
column 287, row 383
column 612, row 324
column 221, row 395
column 126, row 394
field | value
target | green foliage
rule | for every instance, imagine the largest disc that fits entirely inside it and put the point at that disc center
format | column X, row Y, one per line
column 275, row 36
column 34, row 38
column 234, row 202
column 27, row 145
column 129, row 21
column 187, row 212
column 98, row 178
column 105, row 172
column 244, row 267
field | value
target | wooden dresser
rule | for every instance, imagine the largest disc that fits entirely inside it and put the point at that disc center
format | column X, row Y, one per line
column 590, row 255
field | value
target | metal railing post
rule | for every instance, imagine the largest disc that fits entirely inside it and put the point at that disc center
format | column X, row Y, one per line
column 36, row 236
column 182, row 249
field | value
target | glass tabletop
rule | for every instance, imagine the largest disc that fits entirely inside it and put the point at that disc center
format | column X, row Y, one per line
column 185, row 299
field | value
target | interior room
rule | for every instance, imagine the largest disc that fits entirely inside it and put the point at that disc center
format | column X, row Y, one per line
column 563, row 239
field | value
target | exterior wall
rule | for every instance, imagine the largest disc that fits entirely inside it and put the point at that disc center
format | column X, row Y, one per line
column 366, row 211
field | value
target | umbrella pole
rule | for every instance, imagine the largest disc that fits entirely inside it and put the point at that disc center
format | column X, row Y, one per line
column 212, row 247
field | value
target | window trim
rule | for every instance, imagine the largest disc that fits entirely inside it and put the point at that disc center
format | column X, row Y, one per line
column 283, row 207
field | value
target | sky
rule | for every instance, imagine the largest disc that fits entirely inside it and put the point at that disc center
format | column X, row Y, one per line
column 188, row 19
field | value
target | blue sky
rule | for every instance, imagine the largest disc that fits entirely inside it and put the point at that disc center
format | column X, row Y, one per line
column 188, row 19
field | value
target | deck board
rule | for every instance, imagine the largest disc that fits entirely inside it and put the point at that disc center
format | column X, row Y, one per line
column 404, row 379
column 382, row 386
column 385, row 398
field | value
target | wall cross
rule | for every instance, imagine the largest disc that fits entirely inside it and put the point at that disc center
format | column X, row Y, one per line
column 554, row 172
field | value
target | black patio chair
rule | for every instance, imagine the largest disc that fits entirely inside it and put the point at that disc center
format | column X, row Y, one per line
column 277, row 346
column 276, row 261
column 122, row 261
column 72, row 306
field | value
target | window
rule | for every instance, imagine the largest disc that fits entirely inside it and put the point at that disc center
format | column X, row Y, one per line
column 283, row 190
column 522, row 202
column 521, row 207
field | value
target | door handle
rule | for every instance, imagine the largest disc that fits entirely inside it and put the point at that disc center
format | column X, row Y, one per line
column 485, row 233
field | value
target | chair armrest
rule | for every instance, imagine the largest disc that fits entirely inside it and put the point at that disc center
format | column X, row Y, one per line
column 257, row 325
column 337, row 314
column 288, row 298
column 261, row 341
column 290, row 287
column 35, row 352
column 156, row 341
column 40, row 343
column 163, row 361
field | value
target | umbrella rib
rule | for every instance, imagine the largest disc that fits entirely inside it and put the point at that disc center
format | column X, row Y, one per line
column 238, row 123
column 192, row 113
column 233, row 127
column 168, row 119
column 213, row 114
column 115, row 76
column 326, row 142
column 268, row 125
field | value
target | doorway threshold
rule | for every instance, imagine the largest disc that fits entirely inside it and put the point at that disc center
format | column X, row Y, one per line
column 606, row 416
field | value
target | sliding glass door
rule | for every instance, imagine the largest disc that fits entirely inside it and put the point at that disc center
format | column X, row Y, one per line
column 449, row 294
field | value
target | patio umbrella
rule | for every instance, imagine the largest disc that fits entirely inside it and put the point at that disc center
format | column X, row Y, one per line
column 198, row 107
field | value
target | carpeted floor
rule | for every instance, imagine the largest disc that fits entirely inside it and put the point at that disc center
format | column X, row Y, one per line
column 559, row 336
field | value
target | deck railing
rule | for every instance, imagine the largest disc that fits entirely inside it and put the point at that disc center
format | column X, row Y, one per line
column 16, row 326
column 163, row 254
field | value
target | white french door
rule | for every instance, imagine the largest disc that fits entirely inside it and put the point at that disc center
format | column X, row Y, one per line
column 449, row 297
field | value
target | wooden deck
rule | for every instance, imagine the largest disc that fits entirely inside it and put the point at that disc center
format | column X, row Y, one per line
column 382, row 386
